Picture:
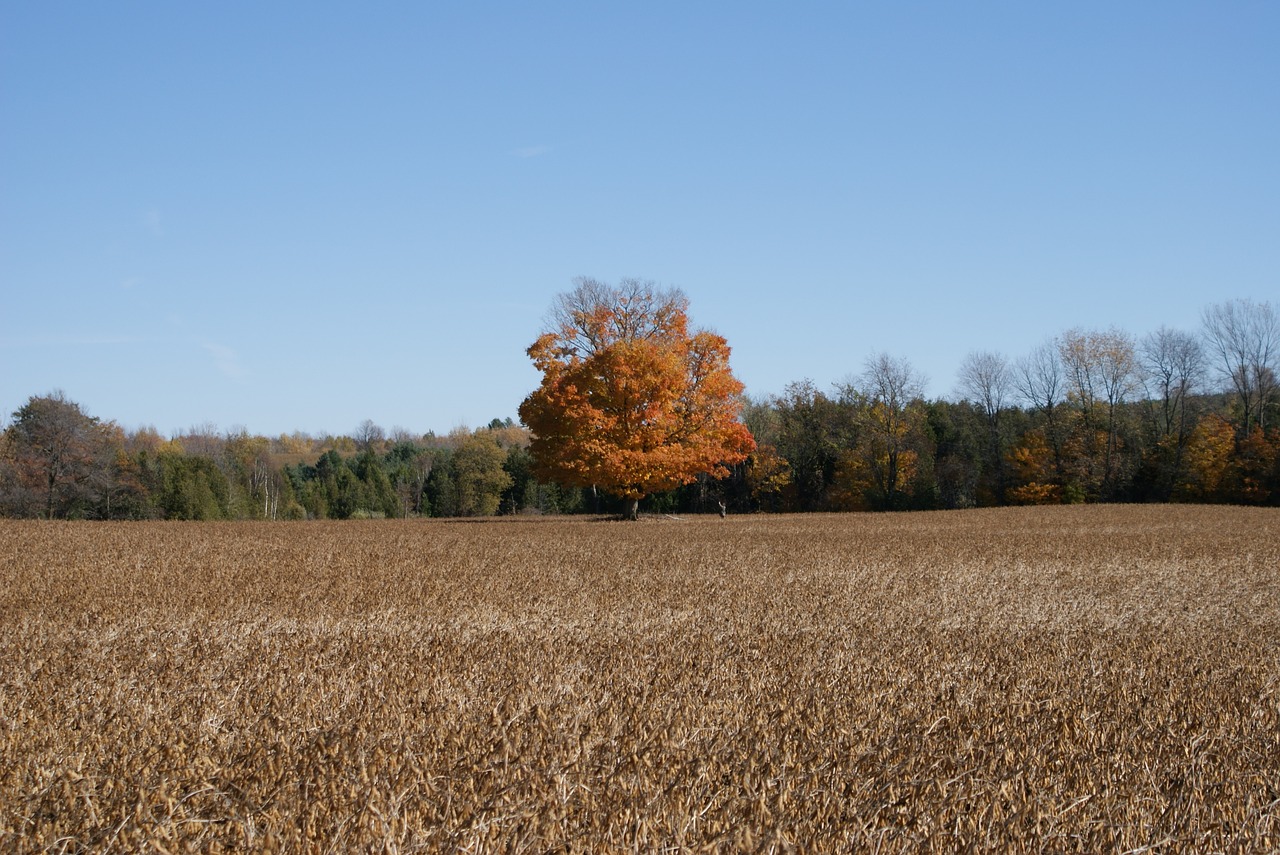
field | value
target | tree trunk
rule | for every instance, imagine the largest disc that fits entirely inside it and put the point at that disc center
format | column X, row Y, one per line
column 633, row 509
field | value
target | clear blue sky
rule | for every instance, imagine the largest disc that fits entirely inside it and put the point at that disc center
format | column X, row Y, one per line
column 299, row 216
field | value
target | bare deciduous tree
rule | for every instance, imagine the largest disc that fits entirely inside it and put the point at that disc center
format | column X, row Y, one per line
column 203, row 440
column 1244, row 337
column 891, row 381
column 1038, row 379
column 369, row 436
column 1173, row 364
column 987, row 379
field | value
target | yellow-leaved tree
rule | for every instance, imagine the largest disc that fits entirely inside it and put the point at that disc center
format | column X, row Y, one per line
column 631, row 400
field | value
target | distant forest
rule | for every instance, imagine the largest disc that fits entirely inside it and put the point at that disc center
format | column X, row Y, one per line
column 1090, row 416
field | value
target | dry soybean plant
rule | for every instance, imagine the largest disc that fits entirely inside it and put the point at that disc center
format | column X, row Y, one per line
column 1064, row 679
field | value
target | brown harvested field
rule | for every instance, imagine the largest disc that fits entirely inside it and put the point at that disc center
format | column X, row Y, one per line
column 1064, row 679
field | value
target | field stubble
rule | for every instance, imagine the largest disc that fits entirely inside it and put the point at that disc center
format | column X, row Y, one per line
column 1066, row 679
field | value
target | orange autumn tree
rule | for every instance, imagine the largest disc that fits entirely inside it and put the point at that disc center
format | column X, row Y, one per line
column 631, row 401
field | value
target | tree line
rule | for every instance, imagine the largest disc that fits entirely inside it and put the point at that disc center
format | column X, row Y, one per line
column 1089, row 416
column 60, row 462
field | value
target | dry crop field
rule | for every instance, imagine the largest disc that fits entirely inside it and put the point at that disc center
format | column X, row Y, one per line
column 1063, row 679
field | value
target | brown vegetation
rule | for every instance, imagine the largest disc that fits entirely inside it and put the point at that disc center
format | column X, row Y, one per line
column 1066, row 679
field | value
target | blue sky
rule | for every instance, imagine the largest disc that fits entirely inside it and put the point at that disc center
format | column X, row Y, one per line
column 300, row 216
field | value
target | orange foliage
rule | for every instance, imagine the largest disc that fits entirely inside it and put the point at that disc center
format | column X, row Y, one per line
column 1036, row 493
column 768, row 473
column 883, row 464
column 1208, row 459
column 1255, row 461
column 1033, row 463
column 630, row 400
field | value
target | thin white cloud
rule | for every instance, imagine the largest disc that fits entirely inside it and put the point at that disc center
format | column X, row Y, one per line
column 155, row 224
column 226, row 360
column 531, row 151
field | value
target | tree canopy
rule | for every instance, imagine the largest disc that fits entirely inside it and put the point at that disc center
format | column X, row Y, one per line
column 632, row 400
column 59, row 454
